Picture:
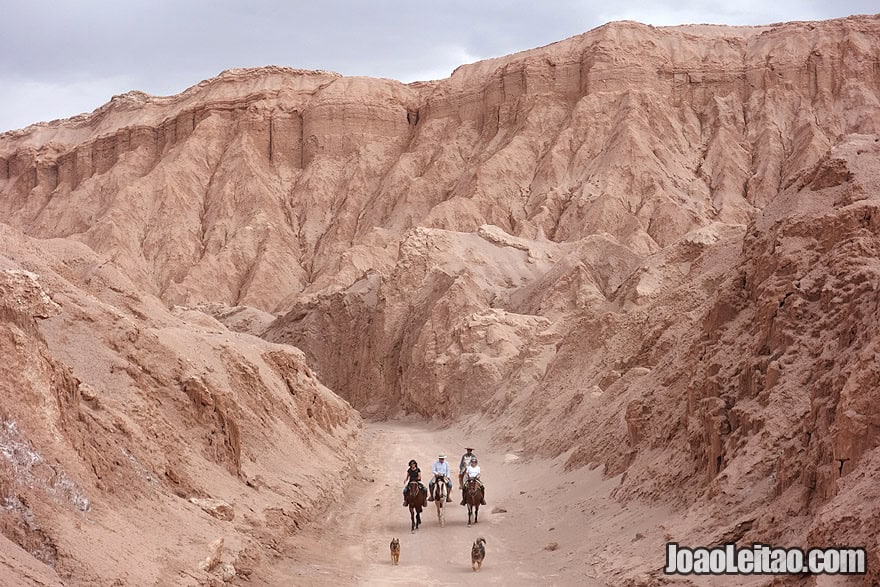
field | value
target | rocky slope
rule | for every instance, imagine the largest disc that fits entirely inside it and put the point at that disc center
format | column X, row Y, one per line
column 261, row 184
column 651, row 249
column 744, row 391
column 126, row 429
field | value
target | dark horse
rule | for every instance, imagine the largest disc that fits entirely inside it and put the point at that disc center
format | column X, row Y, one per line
column 415, row 499
column 473, row 495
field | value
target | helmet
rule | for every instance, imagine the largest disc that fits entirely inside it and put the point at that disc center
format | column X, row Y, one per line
column 412, row 462
column 473, row 459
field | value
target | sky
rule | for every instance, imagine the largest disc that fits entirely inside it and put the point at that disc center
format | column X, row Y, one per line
column 62, row 58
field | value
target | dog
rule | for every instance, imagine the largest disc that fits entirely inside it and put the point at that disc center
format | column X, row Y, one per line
column 478, row 553
column 395, row 551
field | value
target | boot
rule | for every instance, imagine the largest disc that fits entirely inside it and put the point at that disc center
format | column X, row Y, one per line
column 448, row 499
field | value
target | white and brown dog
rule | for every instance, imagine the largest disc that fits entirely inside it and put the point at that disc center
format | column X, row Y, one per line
column 395, row 551
column 478, row 553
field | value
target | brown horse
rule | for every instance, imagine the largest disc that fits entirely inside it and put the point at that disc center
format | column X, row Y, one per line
column 440, row 495
column 473, row 496
column 416, row 500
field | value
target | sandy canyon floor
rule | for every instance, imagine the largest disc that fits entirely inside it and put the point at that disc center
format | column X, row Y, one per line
column 542, row 526
column 637, row 269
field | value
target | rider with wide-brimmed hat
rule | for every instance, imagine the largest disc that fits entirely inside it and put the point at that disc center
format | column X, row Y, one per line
column 465, row 461
column 440, row 469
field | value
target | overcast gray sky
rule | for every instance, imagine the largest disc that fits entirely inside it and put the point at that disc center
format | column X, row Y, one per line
column 60, row 58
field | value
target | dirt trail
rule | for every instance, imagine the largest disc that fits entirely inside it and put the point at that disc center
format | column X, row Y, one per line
column 542, row 525
column 351, row 545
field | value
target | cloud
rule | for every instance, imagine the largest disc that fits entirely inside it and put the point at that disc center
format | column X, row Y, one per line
column 25, row 101
column 741, row 12
column 68, row 57
column 443, row 61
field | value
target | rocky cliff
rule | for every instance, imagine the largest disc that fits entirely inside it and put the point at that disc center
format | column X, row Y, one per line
column 123, row 424
column 269, row 183
column 651, row 249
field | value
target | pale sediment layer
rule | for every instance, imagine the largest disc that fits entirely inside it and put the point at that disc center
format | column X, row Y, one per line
column 651, row 249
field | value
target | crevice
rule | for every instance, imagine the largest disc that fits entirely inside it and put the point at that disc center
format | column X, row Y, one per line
column 271, row 128
column 302, row 144
column 206, row 204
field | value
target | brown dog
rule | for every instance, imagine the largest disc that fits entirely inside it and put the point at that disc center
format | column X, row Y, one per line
column 395, row 551
column 478, row 553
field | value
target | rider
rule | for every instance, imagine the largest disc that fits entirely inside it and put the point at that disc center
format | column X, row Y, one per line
column 473, row 472
column 465, row 461
column 440, row 469
column 413, row 473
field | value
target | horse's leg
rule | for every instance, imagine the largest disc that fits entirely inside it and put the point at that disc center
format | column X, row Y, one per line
column 412, row 519
column 470, row 512
column 476, row 513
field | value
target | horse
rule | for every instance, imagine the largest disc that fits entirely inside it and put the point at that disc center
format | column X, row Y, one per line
column 473, row 495
column 415, row 499
column 439, row 495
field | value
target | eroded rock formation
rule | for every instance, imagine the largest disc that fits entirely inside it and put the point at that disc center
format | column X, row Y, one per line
column 652, row 249
column 120, row 420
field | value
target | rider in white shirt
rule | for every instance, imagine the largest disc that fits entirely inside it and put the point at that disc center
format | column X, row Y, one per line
column 473, row 472
column 465, row 461
column 440, row 468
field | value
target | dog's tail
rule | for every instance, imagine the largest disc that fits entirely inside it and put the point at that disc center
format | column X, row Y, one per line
column 481, row 540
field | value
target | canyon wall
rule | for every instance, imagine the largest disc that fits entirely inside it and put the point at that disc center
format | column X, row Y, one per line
column 647, row 249
column 131, row 433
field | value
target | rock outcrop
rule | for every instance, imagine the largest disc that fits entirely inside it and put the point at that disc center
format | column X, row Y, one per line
column 651, row 249
column 263, row 184
column 121, row 422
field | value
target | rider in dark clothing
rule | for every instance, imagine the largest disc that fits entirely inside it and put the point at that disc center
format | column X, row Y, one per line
column 413, row 473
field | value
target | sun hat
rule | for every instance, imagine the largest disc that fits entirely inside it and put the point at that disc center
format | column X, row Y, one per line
column 441, row 456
